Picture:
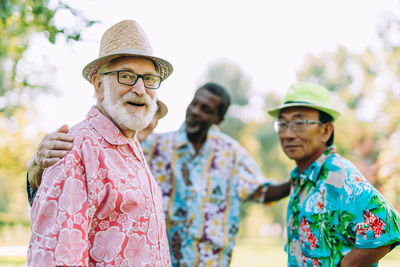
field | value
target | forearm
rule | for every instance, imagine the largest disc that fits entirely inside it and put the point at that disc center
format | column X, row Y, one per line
column 364, row 257
column 35, row 172
column 277, row 191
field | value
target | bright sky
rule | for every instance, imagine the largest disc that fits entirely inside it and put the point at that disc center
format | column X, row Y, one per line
column 267, row 39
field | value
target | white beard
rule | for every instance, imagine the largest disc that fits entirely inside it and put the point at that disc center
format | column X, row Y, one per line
column 120, row 115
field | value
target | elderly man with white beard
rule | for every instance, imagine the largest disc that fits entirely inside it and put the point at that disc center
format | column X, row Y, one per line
column 100, row 203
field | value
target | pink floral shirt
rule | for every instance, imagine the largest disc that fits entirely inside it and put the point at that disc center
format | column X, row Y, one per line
column 99, row 205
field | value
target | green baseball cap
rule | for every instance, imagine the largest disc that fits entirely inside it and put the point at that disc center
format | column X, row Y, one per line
column 307, row 95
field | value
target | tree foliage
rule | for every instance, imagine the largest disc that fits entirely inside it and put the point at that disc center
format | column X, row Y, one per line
column 369, row 85
column 19, row 20
column 17, row 145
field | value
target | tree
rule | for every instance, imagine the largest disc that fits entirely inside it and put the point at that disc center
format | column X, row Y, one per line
column 19, row 20
column 368, row 83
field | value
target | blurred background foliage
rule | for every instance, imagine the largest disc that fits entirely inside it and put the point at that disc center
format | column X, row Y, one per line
column 20, row 20
column 366, row 88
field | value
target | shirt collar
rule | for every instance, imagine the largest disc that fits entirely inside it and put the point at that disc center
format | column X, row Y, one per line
column 181, row 138
column 105, row 127
column 311, row 173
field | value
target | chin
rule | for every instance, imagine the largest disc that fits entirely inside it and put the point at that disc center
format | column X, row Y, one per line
column 292, row 155
column 192, row 130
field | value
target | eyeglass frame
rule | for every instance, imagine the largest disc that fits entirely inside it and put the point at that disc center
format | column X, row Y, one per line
column 137, row 78
column 291, row 124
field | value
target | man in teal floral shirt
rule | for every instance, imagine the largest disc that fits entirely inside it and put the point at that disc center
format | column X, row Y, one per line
column 335, row 217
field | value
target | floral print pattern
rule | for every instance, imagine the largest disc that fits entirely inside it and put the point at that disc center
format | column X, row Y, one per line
column 332, row 209
column 99, row 205
column 371, row 223
column 203, row 193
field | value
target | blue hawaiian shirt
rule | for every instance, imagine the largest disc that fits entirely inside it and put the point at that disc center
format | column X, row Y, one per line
column 203, row 193
column 333, row 209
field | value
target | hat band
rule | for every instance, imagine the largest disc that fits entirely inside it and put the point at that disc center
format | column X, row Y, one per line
column 300, row 102
column 130, row 51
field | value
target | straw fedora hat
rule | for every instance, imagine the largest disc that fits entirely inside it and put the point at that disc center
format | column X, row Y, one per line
column 125, row 38
column 309, row 95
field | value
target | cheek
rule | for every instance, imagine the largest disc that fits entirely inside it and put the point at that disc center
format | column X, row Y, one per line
column 117, row 93
column 151, row 93
column 311, row 143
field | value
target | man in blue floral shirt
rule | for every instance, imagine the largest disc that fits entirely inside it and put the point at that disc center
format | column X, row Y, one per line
column 204, row 175
column 335, row 217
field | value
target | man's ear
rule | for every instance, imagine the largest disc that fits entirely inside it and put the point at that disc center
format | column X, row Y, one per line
column 97, row 81
column 328, row 129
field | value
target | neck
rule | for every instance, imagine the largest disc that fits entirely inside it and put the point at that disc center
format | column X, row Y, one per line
column 303, row 164
column 197, row 140
column 129, row 134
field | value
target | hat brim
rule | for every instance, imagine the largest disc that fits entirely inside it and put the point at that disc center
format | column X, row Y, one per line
column 164, row 67
column 162, row 109
column 275, row 111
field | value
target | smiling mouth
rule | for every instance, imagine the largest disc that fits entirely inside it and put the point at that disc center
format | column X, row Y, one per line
column 135, row 104
column 191, row 122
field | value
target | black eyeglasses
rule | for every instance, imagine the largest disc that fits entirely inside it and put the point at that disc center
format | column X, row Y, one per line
column 130, row 78
column 294, row 125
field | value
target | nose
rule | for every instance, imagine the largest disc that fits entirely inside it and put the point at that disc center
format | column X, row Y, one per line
column 139, row 88
column 194, row 109
column 286, row 133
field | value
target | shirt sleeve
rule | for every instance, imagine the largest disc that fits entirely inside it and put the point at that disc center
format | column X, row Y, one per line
column 252, row 185
column 60, row 216
column 30, row 191
column 374, row 221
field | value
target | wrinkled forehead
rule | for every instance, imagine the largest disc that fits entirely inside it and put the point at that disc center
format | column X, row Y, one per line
column 298, row 112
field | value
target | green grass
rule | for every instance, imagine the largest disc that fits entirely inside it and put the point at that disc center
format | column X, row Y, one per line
column 269, row 252
column 18, row 261
column 254, row 252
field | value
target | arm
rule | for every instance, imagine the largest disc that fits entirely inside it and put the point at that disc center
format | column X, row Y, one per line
column 368, row 218
column 364, row 257
column 60, row 214
column 253, row 185
column 277, row 191
column 52, row 148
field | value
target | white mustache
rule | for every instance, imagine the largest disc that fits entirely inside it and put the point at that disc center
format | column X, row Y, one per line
column 132, row 97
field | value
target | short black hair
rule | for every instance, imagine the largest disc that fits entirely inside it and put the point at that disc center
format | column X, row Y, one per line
column 220, row 91
column 324, row 118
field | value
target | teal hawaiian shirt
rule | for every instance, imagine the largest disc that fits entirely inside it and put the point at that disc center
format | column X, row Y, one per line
column 333, row 209
column 203, row 193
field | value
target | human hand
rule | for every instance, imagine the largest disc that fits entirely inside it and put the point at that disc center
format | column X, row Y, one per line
column 52, row 148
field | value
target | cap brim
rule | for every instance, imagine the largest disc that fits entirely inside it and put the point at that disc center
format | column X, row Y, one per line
column 164, row 66
column 275, row 111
